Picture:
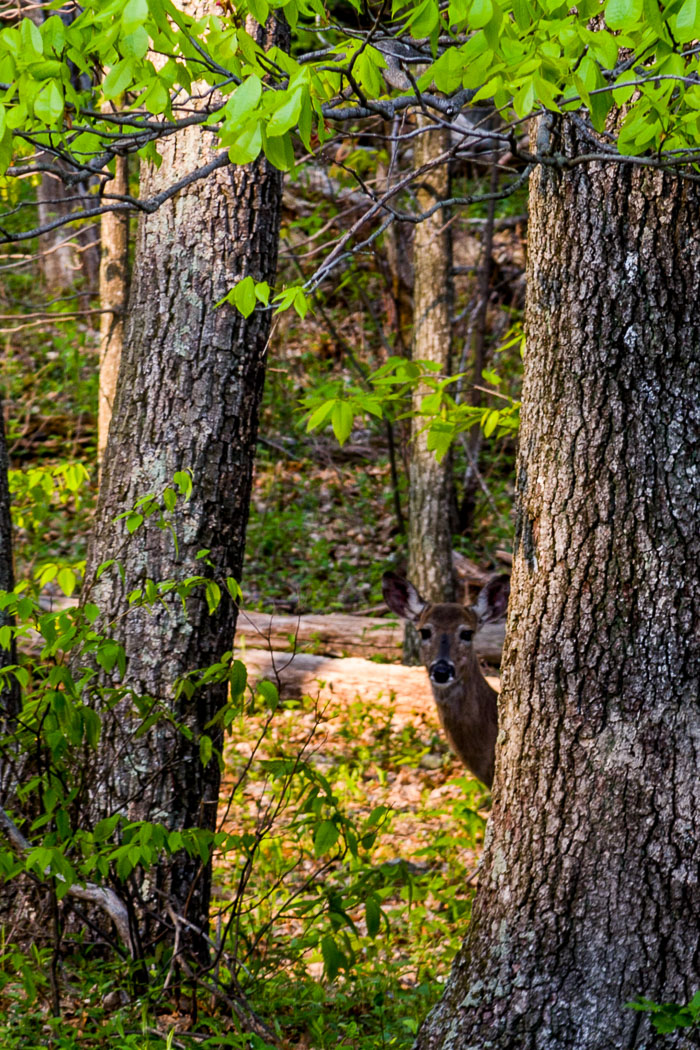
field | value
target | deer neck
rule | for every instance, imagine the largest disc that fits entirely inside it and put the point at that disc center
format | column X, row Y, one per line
column 467, row 708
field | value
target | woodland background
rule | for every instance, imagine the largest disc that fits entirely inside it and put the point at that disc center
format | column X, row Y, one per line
column 321, row 378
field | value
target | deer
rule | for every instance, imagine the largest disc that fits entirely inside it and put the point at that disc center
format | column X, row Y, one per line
column 466, row 703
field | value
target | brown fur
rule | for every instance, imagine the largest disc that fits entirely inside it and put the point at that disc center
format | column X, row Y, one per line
column 466, row 703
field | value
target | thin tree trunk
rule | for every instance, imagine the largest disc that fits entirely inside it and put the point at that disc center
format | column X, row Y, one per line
column 58, row 260
column 188, row 397
column 114, row 284
column 589, row 895
column 473, row 439
column 430, row 481
column 9, row 695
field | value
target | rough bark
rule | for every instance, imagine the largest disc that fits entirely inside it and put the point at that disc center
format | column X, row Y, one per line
column 589, row 890
column 114, row 285
column 188, row 397
column 430, row 482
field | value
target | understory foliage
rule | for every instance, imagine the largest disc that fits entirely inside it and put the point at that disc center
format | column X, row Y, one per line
column 323, row 922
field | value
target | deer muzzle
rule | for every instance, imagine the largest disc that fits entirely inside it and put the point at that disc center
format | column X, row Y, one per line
column 442, row 672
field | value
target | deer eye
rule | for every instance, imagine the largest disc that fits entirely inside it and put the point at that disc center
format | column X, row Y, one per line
column 465, row 635
column 425, row 633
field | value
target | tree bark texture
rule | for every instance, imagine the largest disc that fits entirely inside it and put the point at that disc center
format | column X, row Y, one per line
column 114, row 286
column 188, row 396
column 589, row 892
column 430, row 481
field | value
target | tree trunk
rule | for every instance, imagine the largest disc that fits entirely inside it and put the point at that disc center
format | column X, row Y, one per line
column 430, row 482
column 188, row 397
column 58, row 260
column 114, row 284
column 589, row 895
column 9, row 693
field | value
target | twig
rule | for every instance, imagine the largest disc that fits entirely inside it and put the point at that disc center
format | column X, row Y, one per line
column 105, row 899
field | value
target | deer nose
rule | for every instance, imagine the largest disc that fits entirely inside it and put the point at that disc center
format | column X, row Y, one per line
column 442, row 672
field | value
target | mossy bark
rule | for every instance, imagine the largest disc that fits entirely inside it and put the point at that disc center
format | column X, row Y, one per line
column 588, row 895
column 188, row 397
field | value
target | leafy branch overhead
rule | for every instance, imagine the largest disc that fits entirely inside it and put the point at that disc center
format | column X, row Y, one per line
column 108, row 79
column 386, row 396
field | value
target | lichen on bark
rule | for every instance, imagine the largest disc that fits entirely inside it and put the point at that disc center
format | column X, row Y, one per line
column 588, row 894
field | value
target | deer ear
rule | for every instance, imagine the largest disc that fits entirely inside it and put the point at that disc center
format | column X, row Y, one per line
column 402, row 597
column 492, row 603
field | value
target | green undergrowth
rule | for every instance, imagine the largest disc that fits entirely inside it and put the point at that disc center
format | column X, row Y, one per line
column 358, row 895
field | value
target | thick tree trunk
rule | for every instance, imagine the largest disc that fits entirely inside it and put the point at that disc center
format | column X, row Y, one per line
column 430, row 482
column 114, row 285
column 589, row 892
column 188, row 396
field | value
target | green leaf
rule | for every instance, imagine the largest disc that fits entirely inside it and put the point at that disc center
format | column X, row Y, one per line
column 279, row 151
column 491, row 422
column 373, row 914
column 654, row 17
column 623, row 14
column 135, row 45
column 103, row 567
column 107, row 656
column 480, row 13
column 234, row 588
column 48, row 105
column 31, row 37
column 688, row 21
column 425, row 19
column 134, row 15
column 247, row 145
column 320, row 415
column 243, row 100
column 286, row 115
column 262, row 292
column 342, row 419
column 118, row 79
column 93, row 727
column 301, row 302
column 325, row 837
column 183, row 480
column 54, row 33
column 259, row 9
column 244, row 296
column 213, row 595
column 269, row 693
column 604, row 48
column 66, row 580
column 525, row 97
column 133, row 521
column 206, row 749
column 333, row 958
column 104, row 828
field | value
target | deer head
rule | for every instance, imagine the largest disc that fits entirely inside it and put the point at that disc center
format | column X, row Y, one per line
column 465, row 701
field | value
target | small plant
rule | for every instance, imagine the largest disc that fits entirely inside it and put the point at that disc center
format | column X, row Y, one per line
column 669, row 1017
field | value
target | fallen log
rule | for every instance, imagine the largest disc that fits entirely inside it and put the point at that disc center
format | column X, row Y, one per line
column 342, row 635
column 301, row 674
